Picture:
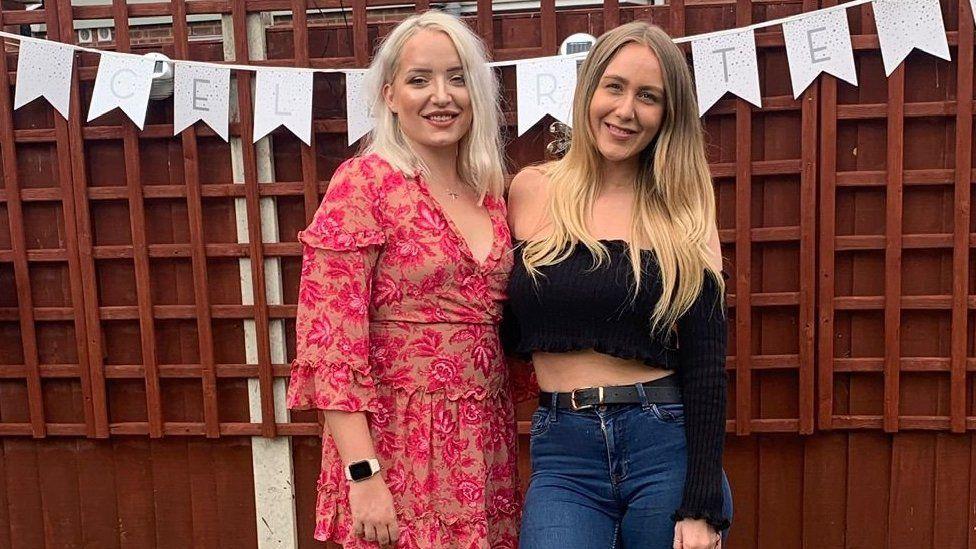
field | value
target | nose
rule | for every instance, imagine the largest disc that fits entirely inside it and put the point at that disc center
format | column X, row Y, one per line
column 440, row 95
column 625, row 107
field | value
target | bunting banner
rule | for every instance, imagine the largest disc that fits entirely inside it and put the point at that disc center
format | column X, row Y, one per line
column 201, row 92
column 359, row 119
column 726, row 63
column 545, row 87
column 819, row 42
column 44, row 70
column 283, row 98
column 123, row 82
column 904, row 25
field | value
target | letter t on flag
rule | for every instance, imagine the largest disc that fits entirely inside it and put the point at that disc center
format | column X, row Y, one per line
column 820, row 42
column 545, row 87
column 726, row 63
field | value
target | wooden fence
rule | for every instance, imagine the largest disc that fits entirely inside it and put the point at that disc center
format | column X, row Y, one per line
column 148, row 283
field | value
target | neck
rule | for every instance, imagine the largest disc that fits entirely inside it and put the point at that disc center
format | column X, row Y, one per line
column 440, row 161
column 619, row 175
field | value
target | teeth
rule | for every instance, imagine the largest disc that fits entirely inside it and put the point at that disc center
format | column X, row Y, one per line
column 441, row 117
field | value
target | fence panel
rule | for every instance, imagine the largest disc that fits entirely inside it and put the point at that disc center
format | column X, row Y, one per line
column 896, row 243
column 148, row 282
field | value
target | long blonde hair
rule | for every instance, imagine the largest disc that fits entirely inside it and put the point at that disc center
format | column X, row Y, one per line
column 480, row 163
column 674, row 206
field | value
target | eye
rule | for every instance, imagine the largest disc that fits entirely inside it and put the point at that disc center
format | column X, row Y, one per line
column 458, row 79
column 417, row 81
column 615, row 86
column 648, row 97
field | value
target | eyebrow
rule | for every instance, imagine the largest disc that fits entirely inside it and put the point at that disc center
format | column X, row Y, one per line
column 428, row 71
column 623, row 80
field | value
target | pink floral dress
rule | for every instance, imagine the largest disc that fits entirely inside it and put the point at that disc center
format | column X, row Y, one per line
column 396, row 318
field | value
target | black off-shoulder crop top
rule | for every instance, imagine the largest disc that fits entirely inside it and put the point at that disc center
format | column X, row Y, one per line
column 574, row 306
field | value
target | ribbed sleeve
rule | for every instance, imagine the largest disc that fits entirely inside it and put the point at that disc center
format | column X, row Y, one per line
column 509, row 332
column 702, row 340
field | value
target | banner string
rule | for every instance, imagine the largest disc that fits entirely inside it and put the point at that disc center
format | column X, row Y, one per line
column 255, row 68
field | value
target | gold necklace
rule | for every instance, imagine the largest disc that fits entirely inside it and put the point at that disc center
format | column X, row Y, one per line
column 450, row 191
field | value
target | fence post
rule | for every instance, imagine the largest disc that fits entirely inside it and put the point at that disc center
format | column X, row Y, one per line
column 274, row 493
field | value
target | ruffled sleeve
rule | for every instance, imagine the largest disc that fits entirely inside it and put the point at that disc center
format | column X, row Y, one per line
column 340, row 250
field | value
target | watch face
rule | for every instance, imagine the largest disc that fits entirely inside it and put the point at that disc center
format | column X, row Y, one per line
column 360, row 470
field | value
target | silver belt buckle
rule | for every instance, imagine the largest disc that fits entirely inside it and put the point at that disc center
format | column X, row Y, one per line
column 576, row 407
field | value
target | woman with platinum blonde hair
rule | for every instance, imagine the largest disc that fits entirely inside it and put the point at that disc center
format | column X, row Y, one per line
column 479, row 159
column 617, row 295
column 403, row 277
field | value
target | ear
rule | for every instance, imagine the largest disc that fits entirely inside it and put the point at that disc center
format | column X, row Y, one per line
column 388, row 97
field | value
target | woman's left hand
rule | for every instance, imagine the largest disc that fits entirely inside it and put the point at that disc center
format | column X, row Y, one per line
column 695, row 534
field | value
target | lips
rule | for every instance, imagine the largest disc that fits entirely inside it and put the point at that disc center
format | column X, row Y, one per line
column 441, row 117
column 617, row 131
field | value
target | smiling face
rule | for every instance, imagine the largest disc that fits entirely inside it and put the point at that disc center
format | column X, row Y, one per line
column 627, row 107
column 429, row 94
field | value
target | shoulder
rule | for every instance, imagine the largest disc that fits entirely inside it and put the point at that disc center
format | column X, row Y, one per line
column 368, row 174
column 527, row 198
column 529, row 181
column 715, row 250
column 369, row 167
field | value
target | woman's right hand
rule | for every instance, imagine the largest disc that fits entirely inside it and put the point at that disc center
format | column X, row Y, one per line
column 373, row 515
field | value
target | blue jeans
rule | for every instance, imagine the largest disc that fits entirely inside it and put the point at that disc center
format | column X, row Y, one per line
column 606, row 477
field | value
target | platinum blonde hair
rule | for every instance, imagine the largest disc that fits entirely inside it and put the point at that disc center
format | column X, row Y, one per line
column 674, row 206
column 480, row 162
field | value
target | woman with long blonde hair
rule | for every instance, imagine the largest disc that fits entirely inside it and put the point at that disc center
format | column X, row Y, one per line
column 403, row 276
column 617, row 295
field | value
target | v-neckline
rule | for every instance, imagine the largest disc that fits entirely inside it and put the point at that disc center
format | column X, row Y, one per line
column 462, row 240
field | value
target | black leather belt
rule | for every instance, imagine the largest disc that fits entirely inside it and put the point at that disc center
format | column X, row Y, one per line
column 660, row 391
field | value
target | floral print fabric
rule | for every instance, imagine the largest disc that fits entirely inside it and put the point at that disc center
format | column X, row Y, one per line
column 396, row 318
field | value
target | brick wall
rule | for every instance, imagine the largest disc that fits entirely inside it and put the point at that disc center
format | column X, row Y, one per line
column 149, row 35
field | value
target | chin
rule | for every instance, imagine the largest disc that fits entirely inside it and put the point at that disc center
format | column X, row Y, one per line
column 443, row 142
column 613, row 154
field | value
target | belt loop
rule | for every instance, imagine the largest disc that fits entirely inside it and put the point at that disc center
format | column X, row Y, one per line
column 554, row 406
column 643, row 396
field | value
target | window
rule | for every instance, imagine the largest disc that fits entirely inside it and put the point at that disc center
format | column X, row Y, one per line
column 578, row 47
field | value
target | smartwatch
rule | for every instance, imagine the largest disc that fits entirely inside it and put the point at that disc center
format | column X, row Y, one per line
column 359, row 471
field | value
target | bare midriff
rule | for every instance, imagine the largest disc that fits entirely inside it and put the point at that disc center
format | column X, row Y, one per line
column 562, row 372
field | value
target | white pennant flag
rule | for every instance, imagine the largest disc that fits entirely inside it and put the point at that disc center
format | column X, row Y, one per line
column 200, row 92
column 907, row 24
column 819, row 42
column 44, row 70
column 123, row 81
column 545, row 87
column 726, row 63
column 283, row 98
column 359, row 119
